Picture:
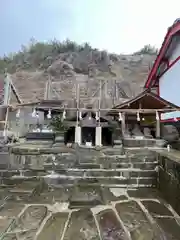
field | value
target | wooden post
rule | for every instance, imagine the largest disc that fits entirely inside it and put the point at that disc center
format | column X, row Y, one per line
column 158, row 127
column 7, row 88
column 123, row 124
column 78, row 133
column 7, row 110
column 100, row 95
column 77, row 103
column 117, row 92
column 114, row 93
column 47, row 94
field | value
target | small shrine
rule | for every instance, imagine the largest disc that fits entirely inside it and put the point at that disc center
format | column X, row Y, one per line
column 140, row 117
column 86, row 127
column 34, row 118
column 89, row 129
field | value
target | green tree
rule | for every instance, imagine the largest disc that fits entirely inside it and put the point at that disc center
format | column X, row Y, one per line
column 57, row 124
column 147, row 49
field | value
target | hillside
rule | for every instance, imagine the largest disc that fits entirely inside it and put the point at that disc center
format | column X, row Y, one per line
column 67, row 63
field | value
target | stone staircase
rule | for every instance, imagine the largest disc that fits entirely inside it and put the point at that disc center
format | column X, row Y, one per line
column 84, row 167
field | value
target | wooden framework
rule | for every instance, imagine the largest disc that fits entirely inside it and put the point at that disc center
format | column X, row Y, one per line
column 148, row 103
column 84, row 121
column 8, row 90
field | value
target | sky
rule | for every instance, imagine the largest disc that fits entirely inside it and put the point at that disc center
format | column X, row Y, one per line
column 118, row 26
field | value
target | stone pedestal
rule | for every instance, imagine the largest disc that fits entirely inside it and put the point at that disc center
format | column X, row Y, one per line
column 40, row 136
column 59, row 139
column 118, row 145
column 78, row 135
column 98, row 136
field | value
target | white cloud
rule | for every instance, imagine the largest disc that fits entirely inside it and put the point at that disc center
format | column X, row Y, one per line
column 122, row 25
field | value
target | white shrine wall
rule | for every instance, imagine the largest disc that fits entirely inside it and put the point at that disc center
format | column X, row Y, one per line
column 169, row 88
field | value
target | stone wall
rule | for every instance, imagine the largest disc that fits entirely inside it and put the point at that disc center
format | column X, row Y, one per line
column 81, row 166
column 169, row 180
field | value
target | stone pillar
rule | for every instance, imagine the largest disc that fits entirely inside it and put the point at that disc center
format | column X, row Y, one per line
column 78, row 135
column 99, row 136
column 158, row 127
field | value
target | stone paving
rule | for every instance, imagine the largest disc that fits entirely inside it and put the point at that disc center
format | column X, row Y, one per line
column 83, row 195
column 80, row 213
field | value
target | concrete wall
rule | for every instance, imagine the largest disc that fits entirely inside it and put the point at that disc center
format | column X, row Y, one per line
column 169, row 85
column 169, row 82
column 169, row 180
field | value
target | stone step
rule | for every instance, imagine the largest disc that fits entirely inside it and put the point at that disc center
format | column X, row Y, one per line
column 4, row 160
column 114, row 151
column 107, row 165
column 48, row 162
column 139, row 142
column 117, row 158
column 140, row 151
column 40, row 166
column 65, row 181
column 83, row 173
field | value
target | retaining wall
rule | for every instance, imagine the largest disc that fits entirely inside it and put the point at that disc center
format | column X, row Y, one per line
column 169, row 178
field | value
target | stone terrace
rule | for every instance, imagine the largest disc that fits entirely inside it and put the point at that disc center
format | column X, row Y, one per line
column 86, row 194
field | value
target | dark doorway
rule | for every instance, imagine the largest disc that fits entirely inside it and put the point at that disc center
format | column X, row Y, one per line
column 88, row 135
column 69, row 135
column 153, row 132
column 106, row 136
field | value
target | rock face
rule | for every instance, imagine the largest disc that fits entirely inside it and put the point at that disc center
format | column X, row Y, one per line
column 169, row 133
column 136, row 131
column 121, row 77
column 147, row 133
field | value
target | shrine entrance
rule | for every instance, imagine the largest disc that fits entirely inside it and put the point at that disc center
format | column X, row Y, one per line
column 107, row 136
column 89, row 130
column 69, row 135
column 143, row 116
column 88, row 134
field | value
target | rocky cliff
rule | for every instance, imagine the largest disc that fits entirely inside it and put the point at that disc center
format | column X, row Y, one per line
column 69, row 65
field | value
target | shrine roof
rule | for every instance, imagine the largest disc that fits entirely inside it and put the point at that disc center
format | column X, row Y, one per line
column 44, row 104
column 146, row 100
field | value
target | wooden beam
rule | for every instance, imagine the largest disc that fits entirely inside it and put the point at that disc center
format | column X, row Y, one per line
column 12, row 87
column 47, row 90
column 123, row 124
column 73, row 124
column 109, row 110
column 143, row 110
column 158, row 127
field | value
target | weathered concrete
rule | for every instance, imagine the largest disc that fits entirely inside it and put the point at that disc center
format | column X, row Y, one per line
column 169, row 177
column 145, row 142
column 46, row 214
column 89, row 194
column 104, row 167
